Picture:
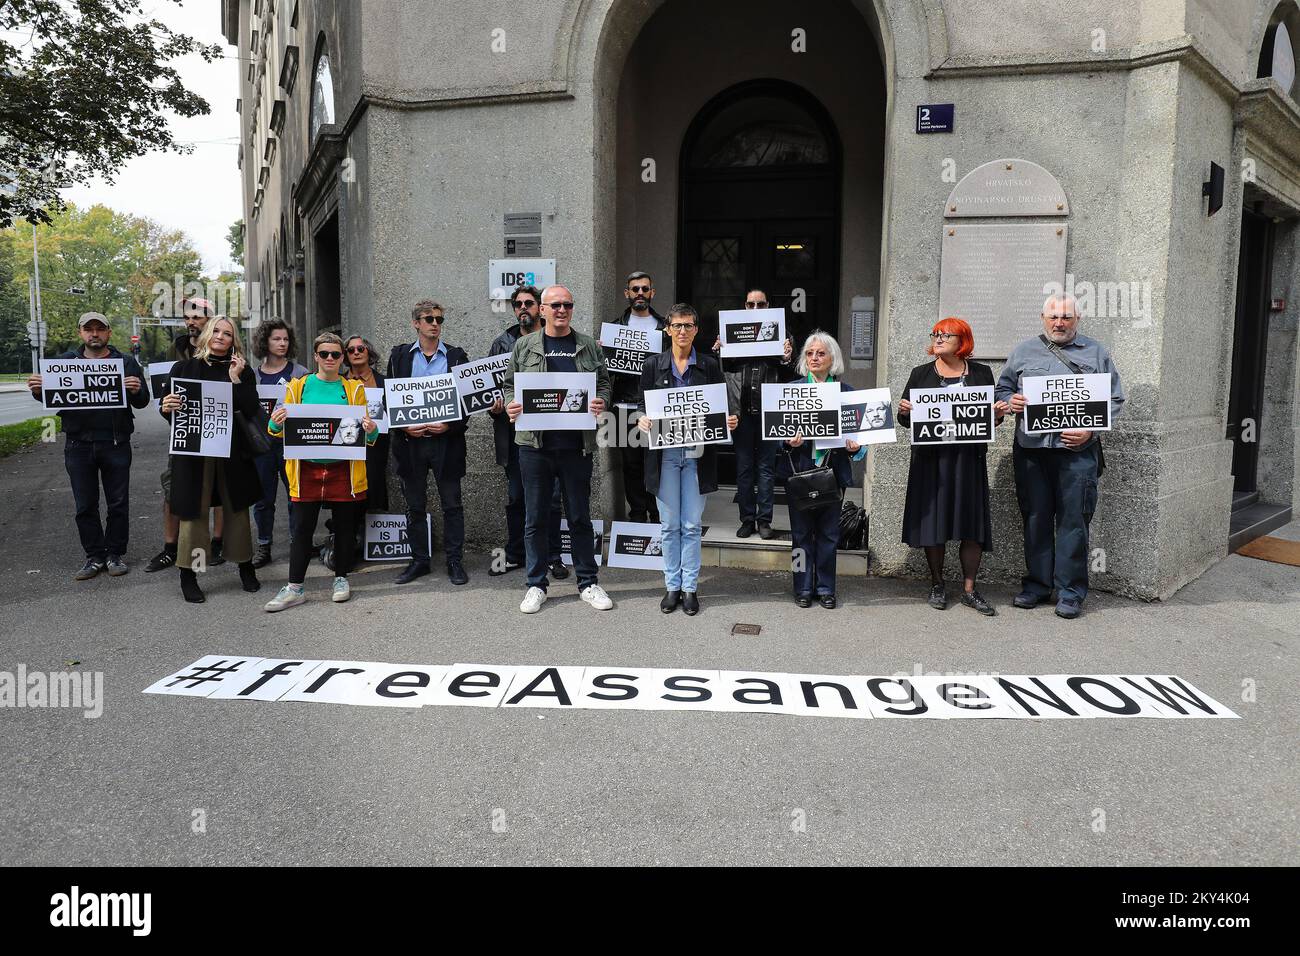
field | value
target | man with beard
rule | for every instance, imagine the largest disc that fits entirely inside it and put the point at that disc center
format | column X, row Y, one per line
column 639, row 291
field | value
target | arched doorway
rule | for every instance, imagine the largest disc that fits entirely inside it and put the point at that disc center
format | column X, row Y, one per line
column 760, row 206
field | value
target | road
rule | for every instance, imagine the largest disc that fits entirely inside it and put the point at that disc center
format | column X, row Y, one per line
column 174, row 780
column 16, row 405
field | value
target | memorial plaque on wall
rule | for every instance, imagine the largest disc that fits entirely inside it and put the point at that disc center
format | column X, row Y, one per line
column 996, row 277
column 1007, row 187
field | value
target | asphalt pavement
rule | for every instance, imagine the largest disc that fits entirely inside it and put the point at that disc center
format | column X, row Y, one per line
column 175, row 780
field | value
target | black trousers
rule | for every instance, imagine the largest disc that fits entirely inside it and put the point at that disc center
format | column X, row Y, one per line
column 345, row 515
column 89, row 463
column 425, row 456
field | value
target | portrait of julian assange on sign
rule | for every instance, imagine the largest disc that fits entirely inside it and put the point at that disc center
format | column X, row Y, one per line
column 324, row 432
column 1057, row 403
column 426, row 400
column 695, row 415
column 555, row 401
column 627, row 347
column 961, row 415
column 866, row 417
column 747, row 333
column 479, row 382
column 83, row 384
column 203, row 422
column 810, row 409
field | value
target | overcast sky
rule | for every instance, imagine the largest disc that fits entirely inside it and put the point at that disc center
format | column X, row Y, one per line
column 199, row 192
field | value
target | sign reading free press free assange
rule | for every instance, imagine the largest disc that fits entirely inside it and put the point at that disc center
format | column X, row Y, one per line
column 372, row 683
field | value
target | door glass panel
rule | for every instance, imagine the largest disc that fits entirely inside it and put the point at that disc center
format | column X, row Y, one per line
column 718, row 275
column 794, row 258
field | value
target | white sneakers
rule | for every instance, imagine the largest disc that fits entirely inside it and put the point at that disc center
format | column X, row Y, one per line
column 595, row 595
column 342, row 590
column 533, row 601
column 289, row 596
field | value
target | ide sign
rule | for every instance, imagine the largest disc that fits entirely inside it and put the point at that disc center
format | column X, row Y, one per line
column 505, row 274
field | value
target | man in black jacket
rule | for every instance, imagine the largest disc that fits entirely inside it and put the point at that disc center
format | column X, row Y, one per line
column 97, row 449
column 438, row 448
column 641, row 505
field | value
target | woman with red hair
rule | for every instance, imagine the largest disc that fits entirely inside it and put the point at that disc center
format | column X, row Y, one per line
column 948, row 486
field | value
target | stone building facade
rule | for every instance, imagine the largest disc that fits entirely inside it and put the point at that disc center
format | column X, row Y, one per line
column 731, row 143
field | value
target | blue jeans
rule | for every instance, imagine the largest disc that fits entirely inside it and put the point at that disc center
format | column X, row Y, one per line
column 681, row 514
column 540, row 470
column 88, row 463
column 516, row 510
column 814, row 538
column 270, row 470
column 1057, row 492
column 755, row 467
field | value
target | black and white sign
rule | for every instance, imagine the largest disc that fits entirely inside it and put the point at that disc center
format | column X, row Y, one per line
column 271, row 397
column 752, row 332
column 203, row 423
column 387, row 540
column 866, row 416
column 694, row 415
column 325, row 432
column 959, row 415
column 636, row 545
column 478, row 383
column 1057, row 403
column 377, row 408
column 504, row 275
column 566, row 541
column 555, row 401
column 810, row 409
column 82, row 384
column 159, row 373
column 627, row 347
column 426, row 400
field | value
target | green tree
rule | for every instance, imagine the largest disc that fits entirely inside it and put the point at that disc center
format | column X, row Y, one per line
column 235, row 238
column 85, row 85
column 15, row 355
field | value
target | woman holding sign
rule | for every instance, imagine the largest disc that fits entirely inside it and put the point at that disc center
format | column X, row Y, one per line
column 815, row 534
column 363, row 366
column 679, row 475
column 316, row 483
column 273, row 343
column 948, row 485
column 198, row 481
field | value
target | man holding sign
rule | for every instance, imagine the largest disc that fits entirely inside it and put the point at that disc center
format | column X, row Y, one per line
column 1058, row 464
column 438, row 446
column 97, row 447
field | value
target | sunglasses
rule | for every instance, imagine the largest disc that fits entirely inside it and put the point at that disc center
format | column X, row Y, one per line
column 431, row 319
column 356, row 349
column 329, row 355
column 525, row 304
column 756, row 305
column 558, row 305
column 639, row 288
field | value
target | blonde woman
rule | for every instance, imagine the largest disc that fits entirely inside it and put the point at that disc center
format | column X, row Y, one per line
column 201, row 483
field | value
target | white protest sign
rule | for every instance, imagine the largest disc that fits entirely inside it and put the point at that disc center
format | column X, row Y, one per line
column 959, row 415
column 693, row 415
column 555, row 401
column 626, row 347
column 478, row 383
column 83, row 384
column 377, row 409
column 636, row 545
column 747, row 333
column 387, row 540
column 810, row 409
column 426, row 400
column 866, row 416
column 203, row 422
column 271, row 397
column 269, row 680
column 158, row 373
column 326, row 432
column 566, row 541
column 1057, row 403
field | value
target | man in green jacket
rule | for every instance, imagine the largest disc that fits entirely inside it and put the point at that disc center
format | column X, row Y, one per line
column 564, row 454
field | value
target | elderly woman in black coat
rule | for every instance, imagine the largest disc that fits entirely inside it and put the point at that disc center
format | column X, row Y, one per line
column 200, row 483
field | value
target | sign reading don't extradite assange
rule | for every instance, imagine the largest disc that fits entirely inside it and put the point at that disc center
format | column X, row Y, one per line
column 810, row 409
column 555, row 401
column 377, row 684
column 747, row 333
column 1057, row 403
column 325, row 432
column 82, row 384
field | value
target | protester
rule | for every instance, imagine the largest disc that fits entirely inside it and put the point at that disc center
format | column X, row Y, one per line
column 815, row 534
column 948, row 485
column 316, row 483
column 197, row 314
column 543, row 456
column 97, row 450
column 363, row 367
column 680, row 478
column 273, row 343
column 439, row 448
column 639, row 292
column 755, row 458
column 200, row 482
column 1056, row 474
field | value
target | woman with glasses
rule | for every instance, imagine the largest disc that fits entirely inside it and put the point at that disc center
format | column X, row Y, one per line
column 363, row 366
column 317, row 483
column 948, row 486
column 681, row 477
column 273, row 343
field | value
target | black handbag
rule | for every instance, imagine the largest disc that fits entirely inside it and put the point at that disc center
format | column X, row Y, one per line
column 813, row 489
column 253, row 432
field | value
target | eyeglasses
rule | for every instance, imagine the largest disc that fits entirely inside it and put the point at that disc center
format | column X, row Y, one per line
column 761, row 304
column 681, row 327
column 639, row 288
column 356, row 349
column 558, row 305
column 329, row 355
column 525, row 304
column 943, row 336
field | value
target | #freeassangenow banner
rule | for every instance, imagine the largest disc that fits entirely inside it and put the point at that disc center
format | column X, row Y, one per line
column 425, row 400
column 1057, row 403
column 810, row 409
column 626, row 347
column 747, row 333
column 866, row 416
column 959, row 415
column 82, row 384
column 325, row 432
column 203, row 423
column 387, row 538
column 688, row 416
column 555, row 401
column 479, row 383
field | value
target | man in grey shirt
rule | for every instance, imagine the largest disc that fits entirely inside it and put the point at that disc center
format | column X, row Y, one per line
column 1056, row 473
